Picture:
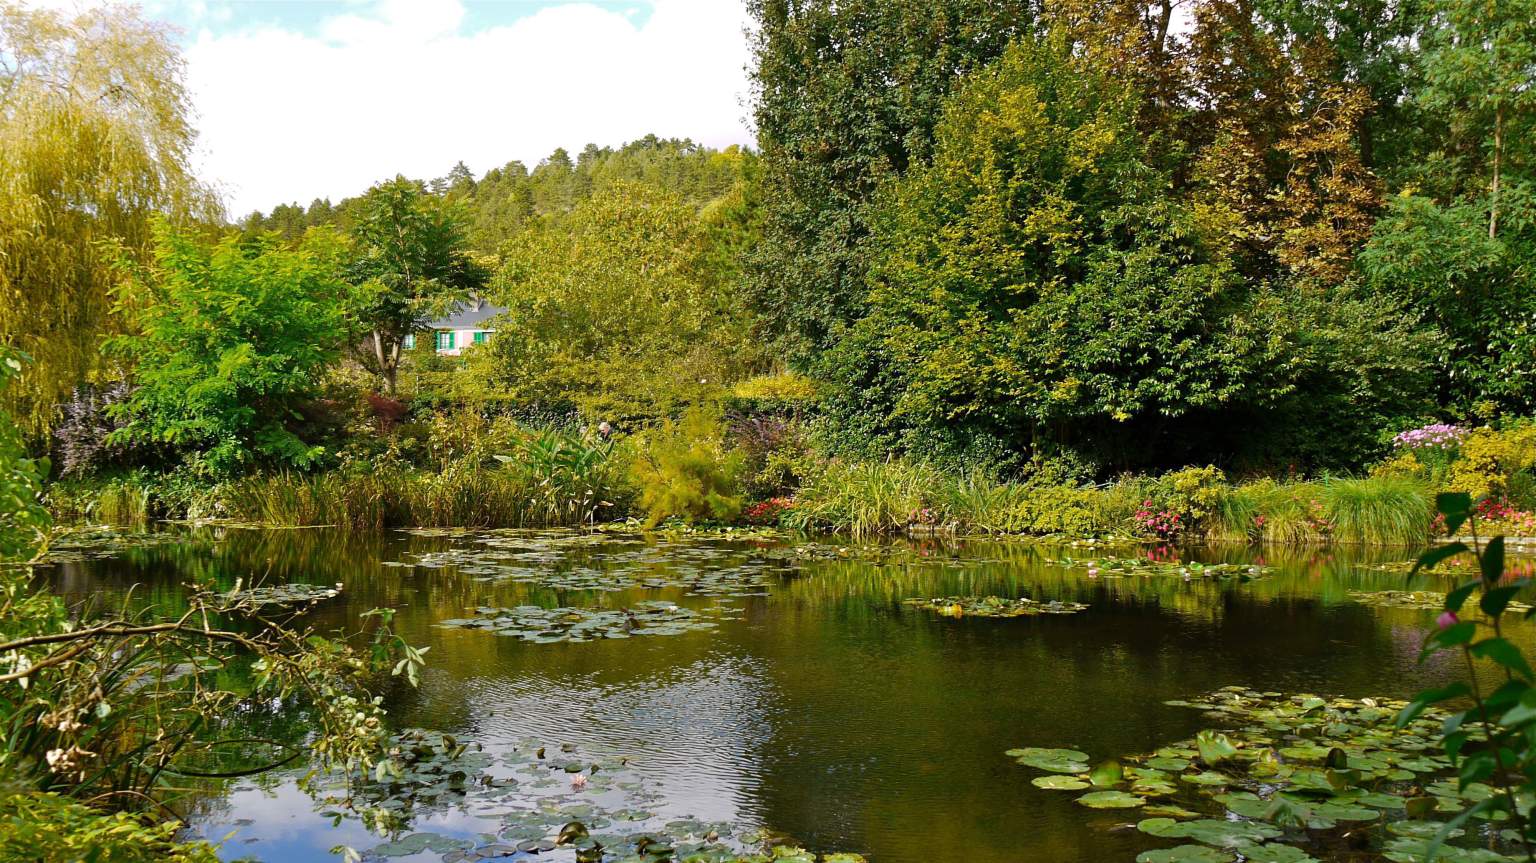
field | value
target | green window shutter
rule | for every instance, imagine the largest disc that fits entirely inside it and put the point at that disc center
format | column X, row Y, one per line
column 480, row 336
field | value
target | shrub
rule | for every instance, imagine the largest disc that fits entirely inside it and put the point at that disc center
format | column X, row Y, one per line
column 49, row 828
column 227, row 341
column 864, row 498
column 683, row 469
column 82, row 436
column 1490, row 458
column 1378, row 510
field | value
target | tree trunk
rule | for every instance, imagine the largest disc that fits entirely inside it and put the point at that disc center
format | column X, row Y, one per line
column 1493, row 191
column 389, row 362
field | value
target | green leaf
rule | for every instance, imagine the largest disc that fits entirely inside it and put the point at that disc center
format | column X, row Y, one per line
column 1504, row 653
column 1440, row 553
column 1492, row 560
column 1458, row 597
column 1494, row 601
column 1456, row 506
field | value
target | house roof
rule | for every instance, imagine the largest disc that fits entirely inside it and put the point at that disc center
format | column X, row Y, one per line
column 467, row 316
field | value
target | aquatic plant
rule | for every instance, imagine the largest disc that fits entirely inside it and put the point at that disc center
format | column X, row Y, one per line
column 993, row 606
column 549, row 625
column 1379, row 510
column 1278, row 778
column 1490, row 743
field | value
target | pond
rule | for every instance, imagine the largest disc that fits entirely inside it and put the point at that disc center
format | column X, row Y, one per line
column 797, row 692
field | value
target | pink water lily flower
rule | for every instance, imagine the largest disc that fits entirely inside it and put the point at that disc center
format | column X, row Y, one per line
column 1447, row 619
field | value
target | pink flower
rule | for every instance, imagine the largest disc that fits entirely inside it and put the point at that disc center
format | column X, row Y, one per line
column 578, row 782
column 1447, row 619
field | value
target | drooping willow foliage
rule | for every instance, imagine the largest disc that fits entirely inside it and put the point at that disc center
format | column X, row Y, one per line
column 95, row 138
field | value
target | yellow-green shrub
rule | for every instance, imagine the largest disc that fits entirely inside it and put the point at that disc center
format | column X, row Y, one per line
column 1490, row 457
column 684, row 470
column 49, row 828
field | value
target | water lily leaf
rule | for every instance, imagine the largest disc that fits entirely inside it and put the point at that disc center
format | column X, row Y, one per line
column 1407, row 849
column 1059, row 783
column 1107, row 775
column 1110, row 800
column 1275, row 853
column 1206, row 778
column 1185, row 854
column 1211, row 831
column 1214, row 747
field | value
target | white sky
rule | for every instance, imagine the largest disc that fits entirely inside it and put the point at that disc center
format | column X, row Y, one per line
column 302, row 100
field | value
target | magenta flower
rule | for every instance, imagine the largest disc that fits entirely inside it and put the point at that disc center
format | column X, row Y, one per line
column 1447, row 619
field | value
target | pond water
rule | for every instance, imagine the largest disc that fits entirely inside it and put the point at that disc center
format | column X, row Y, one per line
column 818, row 705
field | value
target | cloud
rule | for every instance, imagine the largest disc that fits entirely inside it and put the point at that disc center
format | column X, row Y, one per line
column 397, row 86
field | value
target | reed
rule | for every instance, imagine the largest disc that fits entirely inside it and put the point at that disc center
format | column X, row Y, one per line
column 1378, row 510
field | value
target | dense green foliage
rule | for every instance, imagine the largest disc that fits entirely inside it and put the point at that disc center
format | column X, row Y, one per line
column 95, row 139
column 848, row 93
column 617, row 312
column 226, row 340
column 410, row 264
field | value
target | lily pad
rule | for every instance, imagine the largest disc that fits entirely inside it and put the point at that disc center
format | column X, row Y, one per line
column 993, row 606
column 1185, row 854
column 1059, row 783
column 1111, row 800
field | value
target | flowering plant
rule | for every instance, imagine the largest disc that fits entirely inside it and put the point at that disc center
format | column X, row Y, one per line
column 1435, row 435
column 1164, row 523
column 769, row 511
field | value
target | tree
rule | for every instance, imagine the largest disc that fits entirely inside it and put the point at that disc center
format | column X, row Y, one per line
column 618, row 312
column 227, row 339
column 1037, row 276
column 1480, row 71
column 1480, row 291
column 95, row 138
column 411, row 265
column 847, row 93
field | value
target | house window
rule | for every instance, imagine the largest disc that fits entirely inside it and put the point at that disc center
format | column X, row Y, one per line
column 481, row 336
column 409, row 343
column 445, row 340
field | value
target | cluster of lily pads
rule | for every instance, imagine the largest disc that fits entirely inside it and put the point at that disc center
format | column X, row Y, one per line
column 285, row 594
column 1114, row 567
column 535, row 799
column 549, row 625
column 1424, row 600
column 993, row 606
column 602, row 561
column 1284, row 778
column 100, row 542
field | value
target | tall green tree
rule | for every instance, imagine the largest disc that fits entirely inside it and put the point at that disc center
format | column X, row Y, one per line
column 1480, row 74
column 95, row 139
column 411, row 264
column 621, row 312
column 1037, row 274
column 227, row 339
column 848, row 93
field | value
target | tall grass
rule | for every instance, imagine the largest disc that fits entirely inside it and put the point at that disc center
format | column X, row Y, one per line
column 554, row 479
column 121, row 502
column 1380, row 510
column 864, row 498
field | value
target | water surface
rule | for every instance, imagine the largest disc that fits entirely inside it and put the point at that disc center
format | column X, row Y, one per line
column 825, row 709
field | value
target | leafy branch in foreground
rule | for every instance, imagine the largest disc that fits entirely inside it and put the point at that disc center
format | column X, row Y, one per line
column 1492, row 741
column 125, row 710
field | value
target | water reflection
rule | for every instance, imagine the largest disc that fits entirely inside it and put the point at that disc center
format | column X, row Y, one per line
column 829, row 711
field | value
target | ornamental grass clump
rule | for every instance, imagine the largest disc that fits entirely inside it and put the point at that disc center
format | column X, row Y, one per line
column 1381, row 510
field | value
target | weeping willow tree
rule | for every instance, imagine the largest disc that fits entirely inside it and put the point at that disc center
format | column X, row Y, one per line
column 95, row 138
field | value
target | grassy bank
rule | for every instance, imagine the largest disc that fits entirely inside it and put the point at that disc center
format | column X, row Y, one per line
column 861, row 499
column 706, row 467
